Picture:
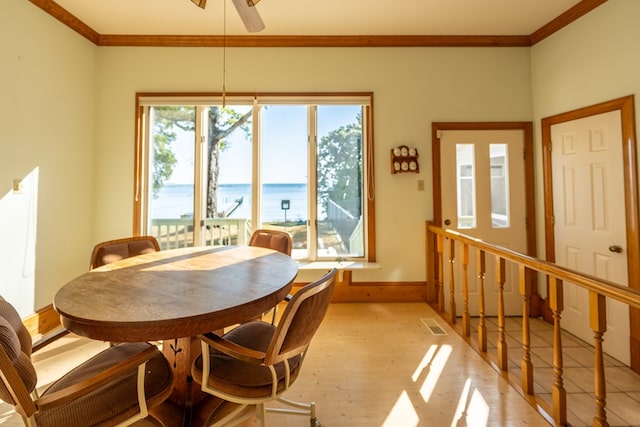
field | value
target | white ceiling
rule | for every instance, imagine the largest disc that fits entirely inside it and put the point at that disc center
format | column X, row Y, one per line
column 321, row 17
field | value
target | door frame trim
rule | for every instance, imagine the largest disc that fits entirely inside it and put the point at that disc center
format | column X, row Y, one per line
column 630, row 177
column 529, row 178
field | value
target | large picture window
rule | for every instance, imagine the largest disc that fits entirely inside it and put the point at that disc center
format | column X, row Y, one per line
column 209, row 173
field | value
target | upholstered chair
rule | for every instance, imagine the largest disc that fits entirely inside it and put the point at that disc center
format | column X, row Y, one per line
column 257, row 362
column 115, row 387
column 273, row 239
column 115, row 250
column 277, row 240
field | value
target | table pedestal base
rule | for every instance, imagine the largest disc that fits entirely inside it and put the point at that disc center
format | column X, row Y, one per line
column 187, row 405
column 181, row 352
column 171, row 415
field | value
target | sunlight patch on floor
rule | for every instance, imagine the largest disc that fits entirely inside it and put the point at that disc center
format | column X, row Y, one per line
column 478, row 410
column 462, row 402
column 403, row 413
column 424, row 363
column 472, row 411
column 435, row 371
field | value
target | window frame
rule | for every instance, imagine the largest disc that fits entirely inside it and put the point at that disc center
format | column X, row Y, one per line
column 144, row 100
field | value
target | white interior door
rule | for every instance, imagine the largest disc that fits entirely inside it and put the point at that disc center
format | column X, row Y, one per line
column 589, row 218
column 483, row 195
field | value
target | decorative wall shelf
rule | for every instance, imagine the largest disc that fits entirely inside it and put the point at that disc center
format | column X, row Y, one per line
column 404, row 160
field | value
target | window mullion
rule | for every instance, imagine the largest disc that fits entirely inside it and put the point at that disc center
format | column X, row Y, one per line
column 312, row 226
column 200, row 174
column 142, row 178
column 256, row 188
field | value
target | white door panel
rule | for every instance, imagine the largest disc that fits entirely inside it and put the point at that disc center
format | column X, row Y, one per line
column 589, row 215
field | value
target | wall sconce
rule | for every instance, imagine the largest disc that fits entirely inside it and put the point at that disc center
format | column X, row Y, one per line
column 404, row 160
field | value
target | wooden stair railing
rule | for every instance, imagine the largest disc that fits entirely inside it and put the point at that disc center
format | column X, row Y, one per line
column 599, row 290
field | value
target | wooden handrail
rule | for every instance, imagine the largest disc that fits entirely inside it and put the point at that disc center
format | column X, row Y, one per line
column 603, row 287
column 599, row 290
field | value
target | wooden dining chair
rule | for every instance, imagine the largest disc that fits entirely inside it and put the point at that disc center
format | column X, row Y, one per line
column 115, row 250
column 257, row 362
column 272, row 239
column 277, row 240
column 116, row 387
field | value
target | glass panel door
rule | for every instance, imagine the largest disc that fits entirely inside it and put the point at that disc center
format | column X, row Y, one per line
column 227, row 172
column 284, row 173
column 340, row 225
column 171, row 182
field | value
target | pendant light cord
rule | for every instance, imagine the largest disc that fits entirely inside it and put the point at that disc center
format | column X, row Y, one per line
column 224, row 55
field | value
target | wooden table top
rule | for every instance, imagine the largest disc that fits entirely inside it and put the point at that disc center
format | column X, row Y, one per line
column 175, row 293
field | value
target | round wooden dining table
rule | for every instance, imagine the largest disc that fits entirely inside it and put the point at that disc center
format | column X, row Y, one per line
column 172, row 296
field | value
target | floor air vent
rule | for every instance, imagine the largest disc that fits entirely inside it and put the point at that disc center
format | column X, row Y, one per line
column 433, row 326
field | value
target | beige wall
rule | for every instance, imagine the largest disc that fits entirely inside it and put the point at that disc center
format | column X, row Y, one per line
column 596, row 59
column 68, row 112
column 47, row 117
column 412, row 87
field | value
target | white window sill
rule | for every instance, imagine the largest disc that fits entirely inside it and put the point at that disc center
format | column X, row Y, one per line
column 340, row 265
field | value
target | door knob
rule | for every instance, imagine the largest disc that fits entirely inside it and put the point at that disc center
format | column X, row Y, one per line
column 447, row 222
column 615, row 248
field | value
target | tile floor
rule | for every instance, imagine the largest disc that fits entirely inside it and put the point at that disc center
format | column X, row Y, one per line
column 622, row 384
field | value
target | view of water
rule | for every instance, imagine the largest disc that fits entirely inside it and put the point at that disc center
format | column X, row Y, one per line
column 175, row 200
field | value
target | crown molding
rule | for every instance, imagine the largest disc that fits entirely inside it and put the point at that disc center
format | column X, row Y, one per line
column 310, row 41
column 68, row 19
column 577, row 11
column 63, row 15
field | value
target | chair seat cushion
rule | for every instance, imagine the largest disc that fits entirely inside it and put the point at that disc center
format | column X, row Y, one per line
column 241, row 378
column 114, row 402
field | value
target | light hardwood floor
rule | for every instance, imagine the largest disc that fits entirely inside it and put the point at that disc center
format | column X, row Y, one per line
column 376, row 364
column 379, row 365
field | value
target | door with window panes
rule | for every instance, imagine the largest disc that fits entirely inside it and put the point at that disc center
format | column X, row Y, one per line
column 214, row 174
column 483, row 189
column 199, row 174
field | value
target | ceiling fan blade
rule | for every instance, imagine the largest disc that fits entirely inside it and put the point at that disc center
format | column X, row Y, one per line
column 201, row 3
column 249, row 15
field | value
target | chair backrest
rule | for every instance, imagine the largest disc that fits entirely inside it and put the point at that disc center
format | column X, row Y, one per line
column 115, row 250
column 272, row 239
column 18, row 377
column 301, row 319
